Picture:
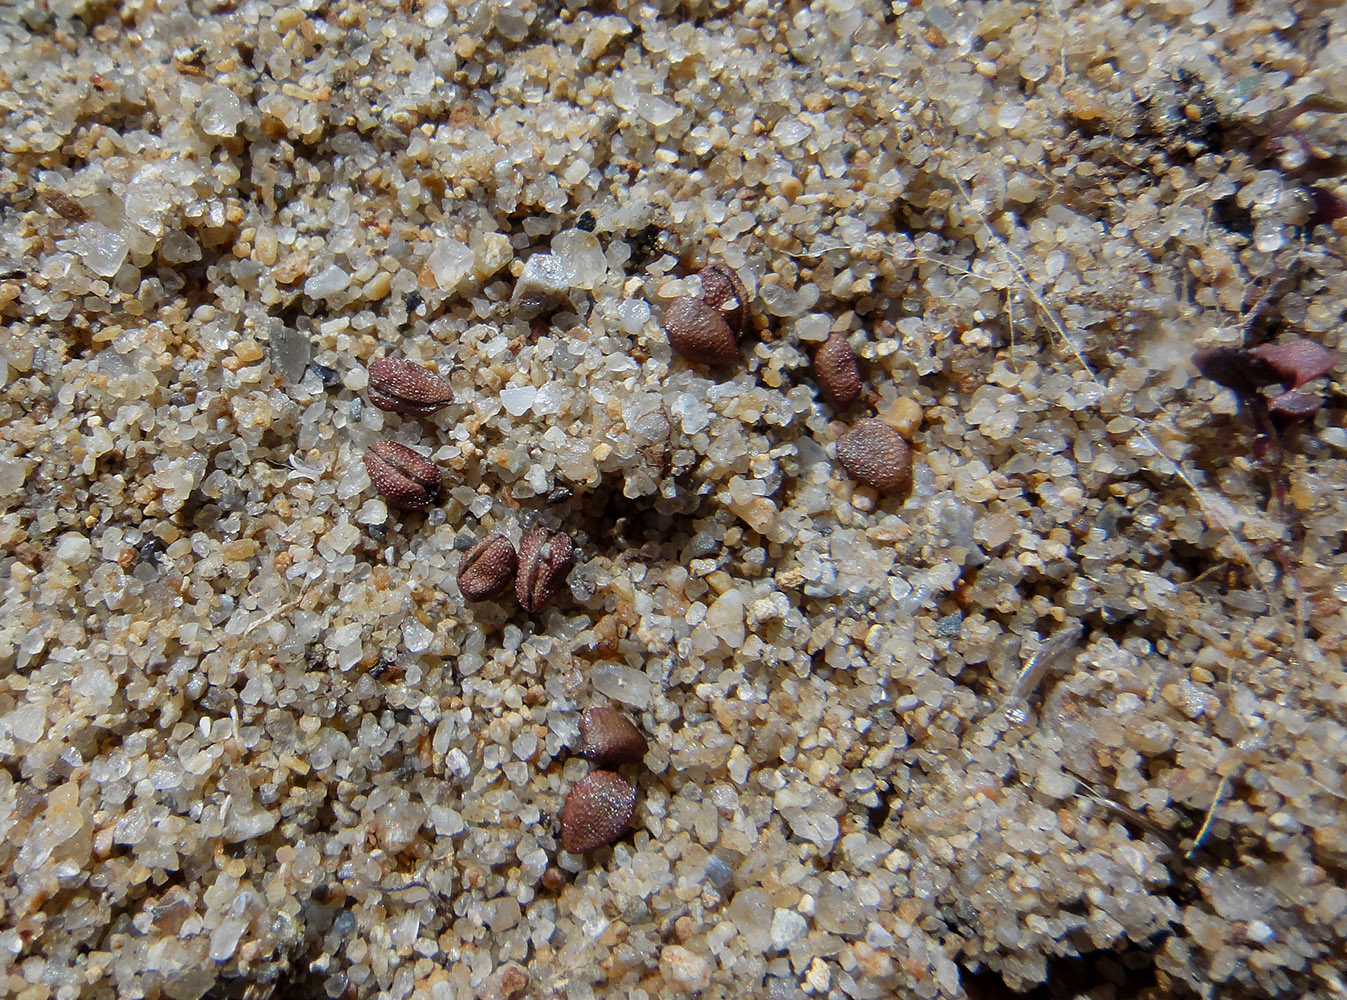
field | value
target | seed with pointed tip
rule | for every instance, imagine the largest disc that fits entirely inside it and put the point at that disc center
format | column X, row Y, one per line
column 699, row 332
column 1297, row 404
column 403, row 386
column 1297, row 361
column 608, row 738
column 544, row 560
column 838, row 372
column 877, row 455
column 724, row 292
column 487, row 568
column 405, row 478
column 597, row 811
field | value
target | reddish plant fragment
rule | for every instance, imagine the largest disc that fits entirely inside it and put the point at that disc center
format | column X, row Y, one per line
column 1297, row 361
column 1296, row 405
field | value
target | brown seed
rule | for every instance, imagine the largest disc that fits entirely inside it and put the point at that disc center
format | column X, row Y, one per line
column 403, row 386
column 877, row 455
column 487, row 568
column 405, row 478
column 838, row 372
column 724, row 292
column 608, row 738
column 699, row 332
column 597, row 811
column 544, row 560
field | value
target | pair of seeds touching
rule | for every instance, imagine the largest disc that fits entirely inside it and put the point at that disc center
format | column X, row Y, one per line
column 706, row 330
column 405, row 478
column 599, row 807
column 538, row 570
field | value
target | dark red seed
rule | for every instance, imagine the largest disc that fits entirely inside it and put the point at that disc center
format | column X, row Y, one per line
column 608, row 738
column 877, row 455
column 405, row 478
column 403, row 386
column 597, row 811
column 838, row 372
column 724, row 292
column 487, row 568
column 699, row 332
column 544, row 560
column 1297, row 404
column 1297, row 361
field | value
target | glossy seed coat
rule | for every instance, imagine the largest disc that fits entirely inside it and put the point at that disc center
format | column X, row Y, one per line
column 487, row 568
column 609, row 738
column 838, row 372
column 544, row 560
column 699, row 332
column 597, row 811
column 877, row 455
column 724, row 292
column 405, row 478
column 402, row 386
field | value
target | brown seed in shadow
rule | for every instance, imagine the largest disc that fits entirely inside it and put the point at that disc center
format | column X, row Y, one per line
column 877, row 455
column 597, row 811
column 838, row 372
column 724, row 292
column 609, row 738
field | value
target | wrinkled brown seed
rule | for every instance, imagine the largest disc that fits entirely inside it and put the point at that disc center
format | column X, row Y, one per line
column 877, row 455
column 724, row 292
column 403, row 386
column 597, row 811
column 544, row 560
column 487, row 568
column 838, row 372
column 405, row 478
column 699, row 332
column 609, row 738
